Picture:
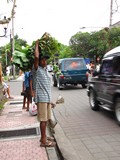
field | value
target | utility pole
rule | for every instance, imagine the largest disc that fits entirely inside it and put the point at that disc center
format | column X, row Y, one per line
column 12, row 44
column 12, row 35
column 111, row 13
column 6, row 56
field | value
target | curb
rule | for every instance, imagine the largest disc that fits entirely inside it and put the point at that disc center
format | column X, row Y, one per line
column 65, row 147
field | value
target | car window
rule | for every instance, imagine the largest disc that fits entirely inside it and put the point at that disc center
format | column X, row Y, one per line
column 74, row 64
column 116, row 65
column 107, row 68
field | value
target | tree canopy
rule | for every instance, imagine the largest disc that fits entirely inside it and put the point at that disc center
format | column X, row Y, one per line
column 95, row 43
column 87, row 45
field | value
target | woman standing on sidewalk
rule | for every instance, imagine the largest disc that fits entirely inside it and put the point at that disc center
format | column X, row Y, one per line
column 42, row 94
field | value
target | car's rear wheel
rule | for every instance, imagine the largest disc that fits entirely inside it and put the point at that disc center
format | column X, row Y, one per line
column 54, row 81
column 59, row 85
column 93, row 101
column 84, row 85
column 117, row 110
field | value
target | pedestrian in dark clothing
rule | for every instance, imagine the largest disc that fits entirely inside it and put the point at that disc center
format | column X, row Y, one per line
column 26, row 90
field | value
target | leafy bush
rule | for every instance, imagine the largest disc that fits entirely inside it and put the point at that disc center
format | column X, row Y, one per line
column 24, row 59
column 2, row 104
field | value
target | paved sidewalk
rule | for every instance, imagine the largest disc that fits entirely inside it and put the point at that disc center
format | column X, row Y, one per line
column 19, row 147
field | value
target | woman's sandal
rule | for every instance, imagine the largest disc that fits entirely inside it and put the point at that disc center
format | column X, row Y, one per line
column 48, row 144
column 49, row 139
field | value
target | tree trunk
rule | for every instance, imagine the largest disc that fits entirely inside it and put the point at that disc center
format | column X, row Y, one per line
column 0, row 73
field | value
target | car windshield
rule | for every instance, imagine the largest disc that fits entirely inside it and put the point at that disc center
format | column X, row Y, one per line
column 74, row 64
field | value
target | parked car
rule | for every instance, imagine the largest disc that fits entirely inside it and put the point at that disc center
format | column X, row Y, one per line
column 70, row 71
column 104, row 88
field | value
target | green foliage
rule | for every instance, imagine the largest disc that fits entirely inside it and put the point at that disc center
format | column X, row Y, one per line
column 6, row 51
column 80, row 44
column 65, row 52
column 6, row 78
column 58, row 73
column 98, row 43
column 2, row 104
column 95, row 43
column 47, row 45
column 57, row 70
column 24, row 59
column 114, row 37
column 19, row 43
column 20, row 60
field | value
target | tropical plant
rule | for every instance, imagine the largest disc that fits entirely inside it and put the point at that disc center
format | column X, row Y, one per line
column 24, row 59
column 6, row 51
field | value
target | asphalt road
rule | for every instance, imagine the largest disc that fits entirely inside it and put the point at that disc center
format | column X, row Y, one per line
column 93, row 135
column 15, row 88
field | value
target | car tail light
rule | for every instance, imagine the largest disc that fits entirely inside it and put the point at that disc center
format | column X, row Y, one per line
column 87, row 74
column 61, row 76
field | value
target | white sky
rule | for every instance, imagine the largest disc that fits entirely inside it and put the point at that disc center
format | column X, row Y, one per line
column 61, row 18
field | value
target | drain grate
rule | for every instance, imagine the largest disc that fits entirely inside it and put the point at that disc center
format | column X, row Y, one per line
column 14, row 113
column 20, row 132
column 11, row 103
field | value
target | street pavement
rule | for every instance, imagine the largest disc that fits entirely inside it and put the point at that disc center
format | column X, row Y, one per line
column 83, row 134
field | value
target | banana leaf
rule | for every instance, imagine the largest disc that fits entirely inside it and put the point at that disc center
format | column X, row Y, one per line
column 25, row 59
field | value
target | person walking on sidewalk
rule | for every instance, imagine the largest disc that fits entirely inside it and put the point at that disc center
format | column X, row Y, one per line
column 42, row 94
